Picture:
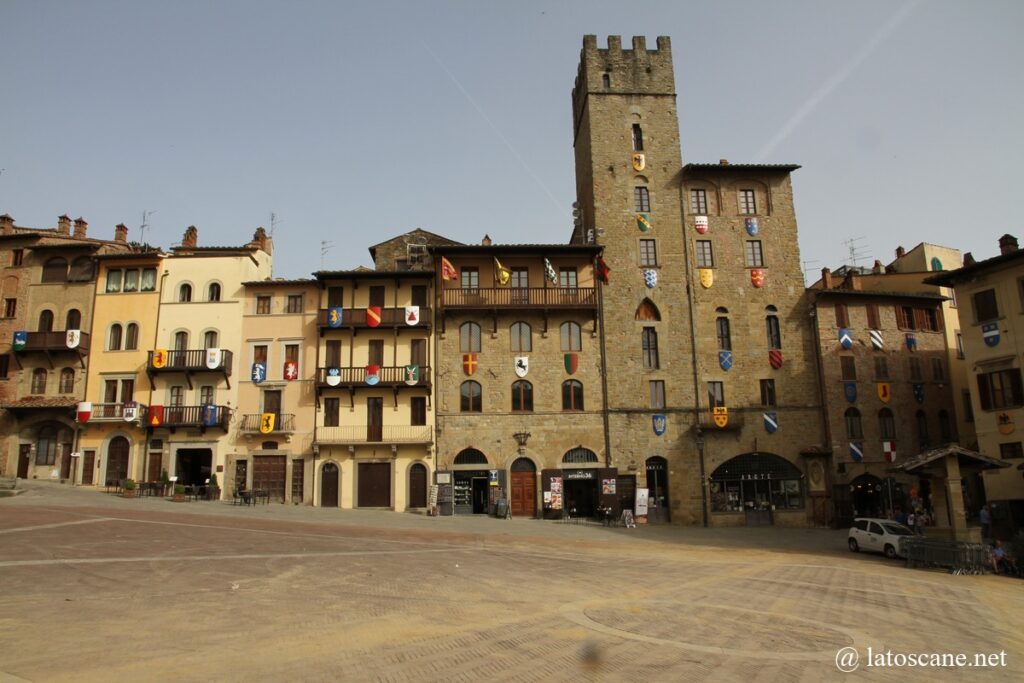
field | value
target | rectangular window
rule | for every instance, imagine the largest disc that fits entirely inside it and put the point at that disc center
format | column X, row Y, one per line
column 377, row 295
column 705, row 257
column 131, row 280
column 332, row 353
column 567, row 278
column 657, row 388
column 641, row 199
column 755, row 259
column 262, row 305
column 17, row 257
column 469, row 278
column 291, row 355
column 985, row 306
column 127, row 390
column 905, row 318
column 331, row 412
column 418, row 352
column 1009, row 451
column 376, row 352
column 520, row 280
column 959, row 344
column 294, row 303
column 148, row 280
column 881, row 368
column 206, row 395
column 774, row 333
column 699, row 202
column 768, row 392
column 259, row 354
column 938, row 370
column 419, row 295
column 650, row 348
column 842, row 316
column 5, row 365
column 968, row 406
column 723, row 333
column 915, row 368
column 418, row 411
column 849, row 368
column 648, row 253
column 335, row 297
column 177, row 396
column 874, row 322
column 748, row 205
column 638, row 138
column 716, row 394
column 1000, row 389
column 113, row 280
column 10, row 308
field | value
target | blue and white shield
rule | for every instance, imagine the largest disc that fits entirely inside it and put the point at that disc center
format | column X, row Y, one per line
column 659, row 422
column 850, row 391
column 918, row 392
column 990, row 333
column 876, row 339
column 651, row 278
column 210, row 415
column 335, row 314
column 19, row 340
column 725, row 359
column 771, row 422
column 259, row 372
column 911, row 341
column 856, row 451
column 751, row 225
column 846, row 337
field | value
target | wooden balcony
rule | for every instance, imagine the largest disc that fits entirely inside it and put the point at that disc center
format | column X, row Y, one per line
column 200, row 417
column 355, row 318
column 189, row 362
column 389, row 376
column 523, row 297
column 53, row 344
column 387, row 434
column 283, row 424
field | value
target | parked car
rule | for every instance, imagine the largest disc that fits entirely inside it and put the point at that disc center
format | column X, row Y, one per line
column 878, row 535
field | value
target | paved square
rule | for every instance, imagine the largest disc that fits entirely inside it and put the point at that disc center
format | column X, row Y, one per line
column 101, row 588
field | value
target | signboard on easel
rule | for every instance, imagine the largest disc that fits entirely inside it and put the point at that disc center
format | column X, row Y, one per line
column 641, row 502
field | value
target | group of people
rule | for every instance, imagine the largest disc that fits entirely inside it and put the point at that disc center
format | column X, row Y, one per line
column 1002, row 562
column 916, row 519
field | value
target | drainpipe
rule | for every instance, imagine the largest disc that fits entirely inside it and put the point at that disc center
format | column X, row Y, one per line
column 604, row 376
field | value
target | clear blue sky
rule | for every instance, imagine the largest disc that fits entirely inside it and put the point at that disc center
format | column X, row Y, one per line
column 354, row 122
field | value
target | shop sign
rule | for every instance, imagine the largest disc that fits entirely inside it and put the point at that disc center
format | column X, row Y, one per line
column 579, row 474
column 492, row 477
column 641, row 502
column 762, row 475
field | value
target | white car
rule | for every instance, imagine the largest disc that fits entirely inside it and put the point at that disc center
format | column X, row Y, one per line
column 878, row 535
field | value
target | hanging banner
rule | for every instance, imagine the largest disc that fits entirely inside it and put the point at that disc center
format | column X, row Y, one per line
column 259, row 373
column 72, row 338
column 602, row 270
column 333, row 377
column 267, row 421
column 412, row 374
column 291, row 370
column 373, row 316
column 19, row 340
column 700, row 224
column 522, row 365
column 501, row 273
column 335, row 314
column 372, row 374
column 911, row 341
column 84, row 411
column 159, row 358
column 156, row 416
column 549, row 272
column 412, row 315
column 213, row 358
column 448, row 271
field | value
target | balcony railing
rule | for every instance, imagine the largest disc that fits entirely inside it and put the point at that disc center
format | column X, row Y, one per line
column 388, row 376
column 282, row 423
column 386, row 434
column 195, row 416
column 190, row 360
column 520, row 297
column 113, row 412
column 55, row 341
column 389, row 317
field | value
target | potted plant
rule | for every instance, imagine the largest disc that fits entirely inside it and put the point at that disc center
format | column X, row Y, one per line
column 129, row 490
column 213, row 488
column 179, row 493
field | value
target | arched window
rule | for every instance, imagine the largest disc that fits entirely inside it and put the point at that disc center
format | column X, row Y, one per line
column 753, row 481
column 55, row 270
column 647, row 311
column 210, row 339
column 886, row 424
column 46, row 321
column 180, row 341
column 923, row 441
column 470, row 397
column 572, row 395
column 723, row 333
column 854, row 429
column 114, row 338
column 39, row 381
column 521, row 337
column 579, row 455
column 67, row 381
column 82, row 269
column 46, row 445
column 469, row 338
column 772, row 324
column 73, row 320
column 213, row 293
column 185, row 293
column 470, row 456
column 571, row 340
column 131, row 337
column 522, row 396
column 945, row 427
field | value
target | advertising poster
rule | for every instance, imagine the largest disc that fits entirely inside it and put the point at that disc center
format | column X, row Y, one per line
column 641, row 502
column 556, row 493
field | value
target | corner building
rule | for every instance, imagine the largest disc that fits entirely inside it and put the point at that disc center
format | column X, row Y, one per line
column 705, row 308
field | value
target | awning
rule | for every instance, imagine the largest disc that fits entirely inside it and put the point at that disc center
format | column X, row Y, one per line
column 964, row 455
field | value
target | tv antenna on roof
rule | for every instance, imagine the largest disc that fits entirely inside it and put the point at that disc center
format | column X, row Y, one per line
column 145, row 224
column 855, row 248
column 273, row 222
column 325, row 247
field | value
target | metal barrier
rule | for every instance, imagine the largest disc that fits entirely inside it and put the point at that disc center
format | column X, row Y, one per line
column 959, row 557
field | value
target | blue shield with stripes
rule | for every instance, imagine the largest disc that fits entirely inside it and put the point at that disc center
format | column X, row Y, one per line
column 771, row 422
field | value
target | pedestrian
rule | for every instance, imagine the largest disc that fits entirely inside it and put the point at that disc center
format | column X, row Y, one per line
column 986, row 521
column 911, row 519
column 901, row 516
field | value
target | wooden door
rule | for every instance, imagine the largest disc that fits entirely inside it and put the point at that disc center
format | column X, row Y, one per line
column 88, row 465
column 418, row 352
column 272, row 404
column 298, row 479
column 156, row 462
column 269, row 474
column 241, row 475
column 377, row 295
column 523, row 489
column 24, row 460
column 374, row 484
column 418, row 486
column 374, row 418
column 117, row 459
column 329, row 486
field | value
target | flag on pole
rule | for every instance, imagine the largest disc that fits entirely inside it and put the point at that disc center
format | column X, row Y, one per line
column 448, row 270
column 549, row 272
column 602, row 270
column 501, row 273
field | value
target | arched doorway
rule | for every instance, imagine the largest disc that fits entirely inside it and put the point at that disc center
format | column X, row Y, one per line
column 866, row 496
column 329, row 486
column 471, row 477
column 524, row 488
column 756, row 484
column 657, row 490
column 117, row 459
column 582, row 492
column 417, row 486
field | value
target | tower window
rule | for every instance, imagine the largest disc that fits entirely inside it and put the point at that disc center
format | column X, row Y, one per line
column 638, row 138
column 698, row 202
column 705, row 256
column 755, row 257
column 648, row 253
column 606, row 81
column 641, row 199
column 748, row 204
column 649, row 343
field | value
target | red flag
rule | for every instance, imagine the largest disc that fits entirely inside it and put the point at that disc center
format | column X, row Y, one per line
column 448, row 270
column 602, row 270
column 156, row 416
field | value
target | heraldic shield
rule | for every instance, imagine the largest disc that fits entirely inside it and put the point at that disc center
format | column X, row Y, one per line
column 876, row 339
column 707, row 277
column 850, row 391
column 130, row 412
column 775, row 358
column 267, row 421
column 412, row 315
column 659, row 422
column 643, row 221
column 159, row 358
column 469, row 363
column 725, row 360
column 990, row 333
column 751, row 225
column 213, row 358
column 84, row 411
column 700, row 224
column 373, row 316
column 572, row 362
column 884, row 392
column 259, row 373
column 639, row 162
column 333, row 377
column 72, row 338
column 651, row 278
column 918, row 392
column 720, row 416
column 856, row 451
column 758, row 277
column 372, row 374
column 911, row 341
column 412, row 374
column 19, row 340
column 771, row 421
column 156, row 416
column 846, row 337
column 335, row 314
column 522, row 366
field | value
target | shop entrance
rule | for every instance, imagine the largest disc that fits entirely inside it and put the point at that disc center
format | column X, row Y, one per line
column 194, row 465
column 866, row 496
column 329, row 486
column 471, row 492
column 580, row 492
column 657, row 490
column 117, row 460
column 524, row 488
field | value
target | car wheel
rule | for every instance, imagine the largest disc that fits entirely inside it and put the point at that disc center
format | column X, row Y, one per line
column 854, row 548
column 890, row 552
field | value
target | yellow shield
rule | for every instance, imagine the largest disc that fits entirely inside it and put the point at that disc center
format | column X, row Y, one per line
column 707, row 277
column 159, row 358
column 884, row 392
column 1005, row 423
column 720, row 414
column 639, row 162
column 267, row 422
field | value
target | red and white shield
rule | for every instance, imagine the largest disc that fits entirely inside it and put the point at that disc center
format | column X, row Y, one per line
column 700, row 224
column 373, row 316
column 84, row 411
column 758, row 277
column 889, row 450
column 775, row 358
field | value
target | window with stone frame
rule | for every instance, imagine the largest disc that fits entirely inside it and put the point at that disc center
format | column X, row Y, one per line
column 848, row 368
column 985, row 306
column 657, row 393
column 874, row 322
column 699, row 202
column 774, row 332
column 747, row 202
column 641, row 199
column 842, row 315
column 716, row 394
column 881, row 368
column 768, row 399
column 854, row 428
column 648, row 252
column 914, row 363
column 263, row 304
column 938, row 370
column 572, row 395
column 886, row 424
column 470, row 397
column 649, row 346
column 10, row 308
column 1000, row 389
column 522, row 396
column 38, row 381
column 705, row 254
column 754, row 254
column 521, row 337
column 67, row 381
column 723, row 333
column 638, row 138
column 571, row 339
column 469, row 338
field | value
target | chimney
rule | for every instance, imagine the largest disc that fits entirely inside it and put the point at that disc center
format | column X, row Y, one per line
column 878, row 268
column 486, row 241
column 852, row 281
column 6, row 225
column 80, row 227
column 969, row 259
column 826, row 278
column 190, row 238
column 723, row 162
column 259, row 239
column 64, row 225
column 1007, row 244
column 121, row 233
column 900, row 252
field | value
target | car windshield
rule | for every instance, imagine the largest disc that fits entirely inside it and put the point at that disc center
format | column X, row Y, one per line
column 898, row 530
